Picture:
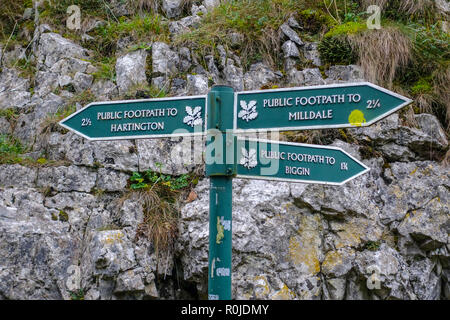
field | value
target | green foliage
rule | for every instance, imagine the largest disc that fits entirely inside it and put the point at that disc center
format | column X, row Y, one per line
column 346, row 29
column 143, row 29
column 10, row 146
column 106, row 69
column 315, row 20
column 258, row 21
column 77, row 295
column 373, row 245
column 336, row 50
column 149, row 178
column 422, row 86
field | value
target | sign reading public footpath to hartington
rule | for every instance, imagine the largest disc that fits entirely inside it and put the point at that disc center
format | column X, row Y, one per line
column 296, row 162
column 132, row 119
column 317, row 107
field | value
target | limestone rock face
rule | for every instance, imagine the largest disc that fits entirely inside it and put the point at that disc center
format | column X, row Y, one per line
column 130, row 70
column 70, row 226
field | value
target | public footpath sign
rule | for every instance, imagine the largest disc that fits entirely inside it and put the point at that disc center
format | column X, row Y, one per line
column 315, row 107
column 296, row 162
column 133, row 119
column 223, row 111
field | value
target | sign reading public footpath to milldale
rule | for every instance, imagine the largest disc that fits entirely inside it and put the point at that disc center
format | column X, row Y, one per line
column 152, row 118
column 316, row 107
column 295, row 162
column 223, row 111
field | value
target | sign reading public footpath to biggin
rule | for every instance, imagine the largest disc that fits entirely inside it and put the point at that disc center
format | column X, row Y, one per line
column 296, row 162
column 132, row 119
column 316, row 107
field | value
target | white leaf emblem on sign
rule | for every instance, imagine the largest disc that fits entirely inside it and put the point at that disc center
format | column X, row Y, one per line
column 194, row 116
column 248, row 159
column 248, row 111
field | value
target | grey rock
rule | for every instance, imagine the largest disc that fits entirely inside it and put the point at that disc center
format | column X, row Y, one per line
column 82, row 81
column 104, row 90
column 5, row 126
column 65, row 179
column 431, row 126
column 233, row 76
column 394, row 152
column 390, row 130
column 290, row 49
column 336, row 288
column 402, row 194
column 350, row 73
column 196, row 10
column 306, row 77
column 311, row 53
column 13, row 89
column 210, row 4
column 130, row 70
column 53, row 47
column 11, row 57
column 428, row 225
column 259, row 75
column 185, row 59
column 197, row 84
column 17, row 176
column 118, row 155
column 173, row 156
column 28, row 13
column 443, row 6
column 236, row 39
column 293, row 23
column 172, row 8
column 184, row 25
column 29, row 125
column 291, row 34
column 165, row 61
column 111, row 180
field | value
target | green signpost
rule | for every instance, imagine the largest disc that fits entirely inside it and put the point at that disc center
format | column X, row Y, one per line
column 227, row 156
column 315, row 107
column 133, row 119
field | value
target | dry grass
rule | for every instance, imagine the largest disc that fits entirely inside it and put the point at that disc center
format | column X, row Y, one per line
column 160, row 224
column 441, row 90
column 381, row 53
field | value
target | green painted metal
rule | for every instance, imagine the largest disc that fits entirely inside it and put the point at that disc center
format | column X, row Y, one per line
column 315, row 107
column 220, row 171
column 220, row 238
column 296, row 162
column 134, row 119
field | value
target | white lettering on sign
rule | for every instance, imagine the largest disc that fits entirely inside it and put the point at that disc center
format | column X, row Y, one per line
column 298, row 171
column 311, row 115
column 146, row 126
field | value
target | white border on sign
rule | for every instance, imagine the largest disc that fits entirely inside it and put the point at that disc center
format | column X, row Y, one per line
column 139, row 136
column 332, row 126
column 316, row 146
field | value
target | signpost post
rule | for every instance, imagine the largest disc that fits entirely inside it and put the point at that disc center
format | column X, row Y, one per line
column 334, row 106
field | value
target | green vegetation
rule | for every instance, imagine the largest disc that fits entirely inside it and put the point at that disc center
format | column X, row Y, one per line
column 158, row 194
column 10, row 147
column 150, row 178
column 372, row 245
column 258, row 21
column 142, row 29
column 77, row 295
